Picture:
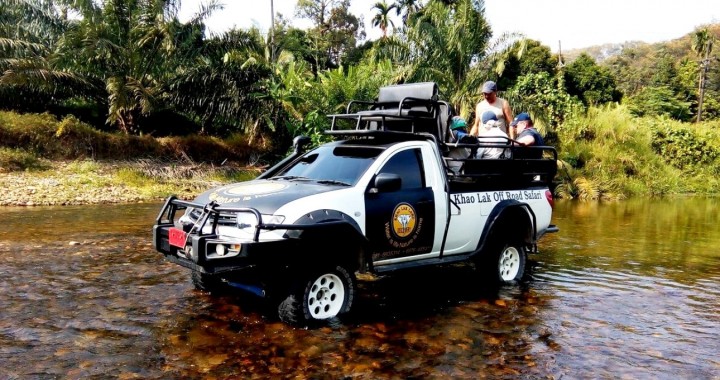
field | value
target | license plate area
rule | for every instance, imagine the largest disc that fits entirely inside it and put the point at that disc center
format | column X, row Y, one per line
column 177, row 237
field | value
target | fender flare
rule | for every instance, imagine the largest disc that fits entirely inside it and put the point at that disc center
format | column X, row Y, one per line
column 342, row 235
column 503, row 214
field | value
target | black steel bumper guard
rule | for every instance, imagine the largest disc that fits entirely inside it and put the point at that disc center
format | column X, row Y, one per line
column 251, row 253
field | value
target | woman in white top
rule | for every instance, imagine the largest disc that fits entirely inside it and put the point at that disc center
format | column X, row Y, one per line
column 499, row 106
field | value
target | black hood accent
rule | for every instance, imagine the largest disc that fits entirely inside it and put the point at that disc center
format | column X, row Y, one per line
column 264, row 195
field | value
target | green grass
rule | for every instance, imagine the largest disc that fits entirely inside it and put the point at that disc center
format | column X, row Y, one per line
column 84, row 167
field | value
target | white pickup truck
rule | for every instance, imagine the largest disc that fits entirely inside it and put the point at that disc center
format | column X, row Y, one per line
column 379, row 199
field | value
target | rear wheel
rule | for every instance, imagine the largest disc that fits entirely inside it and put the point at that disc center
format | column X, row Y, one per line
column 322, row 295
column 505, row 263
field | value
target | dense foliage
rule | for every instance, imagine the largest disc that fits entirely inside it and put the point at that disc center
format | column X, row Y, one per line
column 133, row 67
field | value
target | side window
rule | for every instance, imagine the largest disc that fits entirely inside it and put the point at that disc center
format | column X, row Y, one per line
column 408, row 165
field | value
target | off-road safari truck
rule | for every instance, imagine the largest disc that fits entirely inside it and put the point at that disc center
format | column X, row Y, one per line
column 384, row 196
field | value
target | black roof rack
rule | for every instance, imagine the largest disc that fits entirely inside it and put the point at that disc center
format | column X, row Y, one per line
column 404, row 109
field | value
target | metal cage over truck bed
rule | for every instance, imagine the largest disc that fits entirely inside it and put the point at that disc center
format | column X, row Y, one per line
column 412, row 111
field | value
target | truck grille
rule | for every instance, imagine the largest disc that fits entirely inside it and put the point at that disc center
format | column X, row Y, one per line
column 224, row 219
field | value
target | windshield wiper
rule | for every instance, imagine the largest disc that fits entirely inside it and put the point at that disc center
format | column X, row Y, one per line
column 292, row 177
column 332, row 182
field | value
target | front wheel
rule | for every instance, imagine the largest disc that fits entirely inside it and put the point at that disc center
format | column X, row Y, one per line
column 207, row 282
column 506, row 264
column 319, row 296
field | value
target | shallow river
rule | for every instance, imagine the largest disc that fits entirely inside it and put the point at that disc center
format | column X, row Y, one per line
column 626, row 290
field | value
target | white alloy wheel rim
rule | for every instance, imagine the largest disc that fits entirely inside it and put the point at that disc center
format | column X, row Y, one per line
column 509, row 264
column 326, row 296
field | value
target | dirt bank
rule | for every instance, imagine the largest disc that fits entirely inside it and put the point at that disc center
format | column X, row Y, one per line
column 95, row 182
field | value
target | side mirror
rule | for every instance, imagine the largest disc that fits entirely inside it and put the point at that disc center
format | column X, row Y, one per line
column 299, row 143
column 386, row 183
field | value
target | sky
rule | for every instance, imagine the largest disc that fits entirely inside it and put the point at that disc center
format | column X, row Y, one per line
column 571, row 24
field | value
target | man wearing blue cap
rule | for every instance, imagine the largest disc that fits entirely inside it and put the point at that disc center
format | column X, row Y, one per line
column 527, row 135
column 499, row 106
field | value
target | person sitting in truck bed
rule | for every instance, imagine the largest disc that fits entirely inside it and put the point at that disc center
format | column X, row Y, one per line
column 458, row 128
column 527, row 135
column 490, row 133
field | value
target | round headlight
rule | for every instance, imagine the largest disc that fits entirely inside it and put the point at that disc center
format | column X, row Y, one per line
column 220, row 250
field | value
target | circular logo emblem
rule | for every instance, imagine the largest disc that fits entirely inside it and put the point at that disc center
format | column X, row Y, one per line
column 403, row 220
column 249, row 188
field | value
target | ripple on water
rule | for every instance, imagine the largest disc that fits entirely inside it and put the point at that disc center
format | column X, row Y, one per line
column 633, row 319
column 613, row 295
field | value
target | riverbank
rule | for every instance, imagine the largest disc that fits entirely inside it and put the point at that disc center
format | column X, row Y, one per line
column 99, row 182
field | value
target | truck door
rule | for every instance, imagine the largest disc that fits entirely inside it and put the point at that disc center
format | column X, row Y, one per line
column 400, row 208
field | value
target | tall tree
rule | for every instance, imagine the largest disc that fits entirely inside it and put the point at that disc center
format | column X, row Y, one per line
column 382, row 17
column 335, row 32
column 702, row 45
column 317, row 11
column 217, row 90
column 526, row 57
column 592, row 83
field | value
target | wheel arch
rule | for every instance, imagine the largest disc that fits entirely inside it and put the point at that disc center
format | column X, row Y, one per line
column 510, row 220
column 337, row 236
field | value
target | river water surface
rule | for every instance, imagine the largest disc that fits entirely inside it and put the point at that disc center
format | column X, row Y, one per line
column 624, row 290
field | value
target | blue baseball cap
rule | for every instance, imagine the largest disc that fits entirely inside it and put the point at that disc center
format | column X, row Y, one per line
column 489, row 87
column 521, row 117
column 487, row 116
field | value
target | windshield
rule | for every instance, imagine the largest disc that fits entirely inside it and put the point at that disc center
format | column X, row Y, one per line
column 342, row 165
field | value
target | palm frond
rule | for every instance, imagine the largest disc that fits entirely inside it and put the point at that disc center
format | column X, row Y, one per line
column 204, row 11
column 21, row 48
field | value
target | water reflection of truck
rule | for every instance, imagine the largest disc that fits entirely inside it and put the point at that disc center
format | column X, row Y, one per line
column 379, row 199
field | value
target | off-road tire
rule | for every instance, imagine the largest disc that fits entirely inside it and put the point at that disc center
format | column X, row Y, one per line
column 321, row 295
column 207, row 282
column 503, row 263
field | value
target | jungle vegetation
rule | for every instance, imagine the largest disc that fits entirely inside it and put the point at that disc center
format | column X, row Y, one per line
column 636, row 119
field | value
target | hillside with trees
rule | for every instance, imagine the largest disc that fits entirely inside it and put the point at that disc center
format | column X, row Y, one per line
column 132, row 68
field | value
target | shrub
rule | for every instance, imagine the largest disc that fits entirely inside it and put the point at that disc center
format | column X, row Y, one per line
column 608, row 154
column 683, row 148
column 43, row 136
column 18, row 160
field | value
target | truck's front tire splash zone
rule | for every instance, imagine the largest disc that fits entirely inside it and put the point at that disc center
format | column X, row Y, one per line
column 208, row 283
column 322, row 295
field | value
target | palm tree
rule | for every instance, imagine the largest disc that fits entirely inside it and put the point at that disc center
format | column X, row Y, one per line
column 382, row 18
column 132, row 49
column 407, row 8
column 702, row 45
column 450, row 44
column 29, row 31
column 118, row 54
column 216, row 89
